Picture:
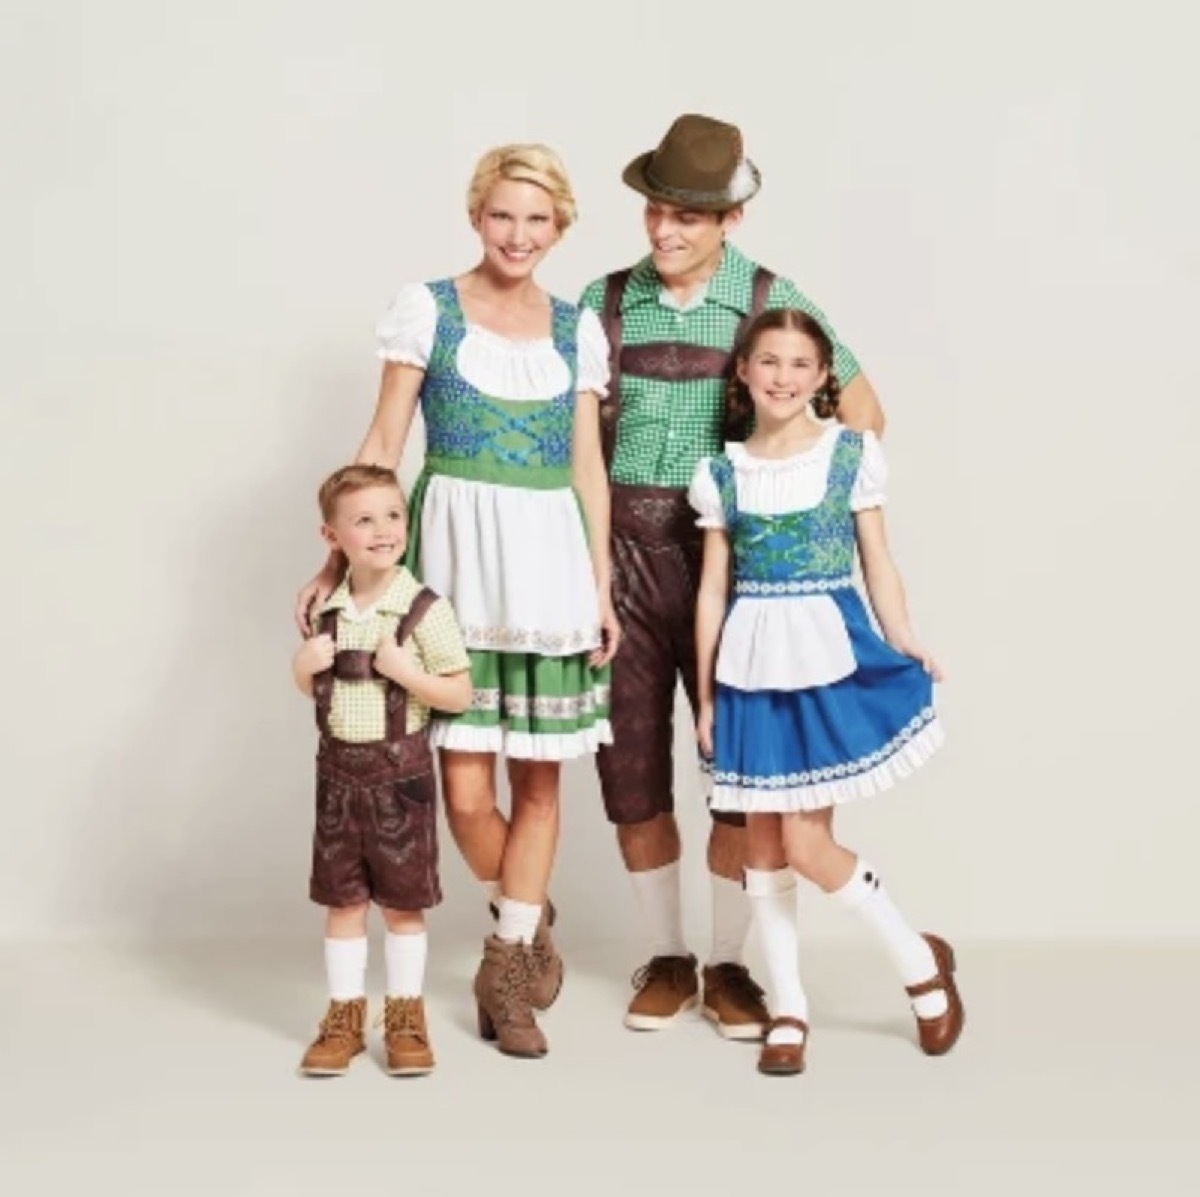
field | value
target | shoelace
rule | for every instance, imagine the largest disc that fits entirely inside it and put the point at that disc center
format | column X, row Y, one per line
column 741, row 986
column 672, row 969
column 337, row 1024
column 400, row 1018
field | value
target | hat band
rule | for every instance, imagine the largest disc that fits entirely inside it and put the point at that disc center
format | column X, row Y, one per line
column 686, row 195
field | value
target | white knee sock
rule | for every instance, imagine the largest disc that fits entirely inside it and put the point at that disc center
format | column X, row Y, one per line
column 346, row 968
column 518, row 921
column 405, row 955
column 772, row 894
column 731, row 920
column 912, row 956
column 659, row 897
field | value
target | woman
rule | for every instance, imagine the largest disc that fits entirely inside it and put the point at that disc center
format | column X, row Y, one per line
column 510, row 522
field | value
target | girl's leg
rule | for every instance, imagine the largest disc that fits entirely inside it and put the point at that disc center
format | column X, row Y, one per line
column 478, row 828
column 815, row 855
column 771, row 888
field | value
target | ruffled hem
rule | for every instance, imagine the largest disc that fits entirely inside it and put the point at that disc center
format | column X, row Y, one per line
column 528, row 746
column 772, row 795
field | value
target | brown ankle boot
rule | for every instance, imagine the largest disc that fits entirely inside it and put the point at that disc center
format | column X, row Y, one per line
column 547, row 979
column 338, row 1041
column 502, row 997
column 405, row 1037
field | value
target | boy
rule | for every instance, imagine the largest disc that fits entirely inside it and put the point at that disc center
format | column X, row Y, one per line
column 384, row 651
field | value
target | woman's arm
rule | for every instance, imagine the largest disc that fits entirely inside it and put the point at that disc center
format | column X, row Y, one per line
column 398, row 389
column 885, row 588
column 711, row 602
column 591, row 484
column 859, row 407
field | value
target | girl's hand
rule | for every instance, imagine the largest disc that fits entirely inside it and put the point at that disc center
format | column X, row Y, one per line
column 909, row 646
column 610, row 636
column 704, row 730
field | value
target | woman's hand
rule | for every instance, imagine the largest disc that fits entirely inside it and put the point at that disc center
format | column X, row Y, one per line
column 610, row 635
column 312, row 596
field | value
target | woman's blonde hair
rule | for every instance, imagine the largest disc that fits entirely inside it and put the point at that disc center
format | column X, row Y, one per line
column 524, row 163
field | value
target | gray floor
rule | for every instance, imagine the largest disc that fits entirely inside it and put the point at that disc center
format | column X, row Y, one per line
column 172, row 1071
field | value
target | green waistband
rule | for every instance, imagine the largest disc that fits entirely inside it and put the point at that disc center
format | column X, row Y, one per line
column 498, row 473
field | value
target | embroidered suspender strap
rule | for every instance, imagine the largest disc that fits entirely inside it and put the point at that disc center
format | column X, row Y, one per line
column 610, row 320
column 666, row 361
column 323, row 681
column 397, row 698
column 722, row 472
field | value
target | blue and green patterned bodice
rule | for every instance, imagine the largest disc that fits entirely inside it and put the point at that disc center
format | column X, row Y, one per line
column 797, row 552
column 471, row 435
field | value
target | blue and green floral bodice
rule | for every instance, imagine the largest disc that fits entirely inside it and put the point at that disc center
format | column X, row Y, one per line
column 797, row 551
column 470, row 434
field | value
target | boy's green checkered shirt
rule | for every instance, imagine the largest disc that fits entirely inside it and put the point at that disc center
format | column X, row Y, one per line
column 666, row 427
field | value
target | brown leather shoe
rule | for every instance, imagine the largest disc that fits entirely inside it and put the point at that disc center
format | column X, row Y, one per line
column 338, row 1041
column 734, row 1002
column 666, row 987
column 547, row 979
column 405, row 1037
column 783, row 1059
column 939, row 1035
column 502, row 999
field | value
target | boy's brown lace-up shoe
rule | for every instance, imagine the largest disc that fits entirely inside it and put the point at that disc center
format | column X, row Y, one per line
column 338, row 1041
column 547, row 978
column 734, row 1002
column 666, row 987
column 502, row 999
column 405, row 1037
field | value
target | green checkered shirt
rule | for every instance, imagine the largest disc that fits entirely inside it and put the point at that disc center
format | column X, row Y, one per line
column 357, row 710
column 666, row 427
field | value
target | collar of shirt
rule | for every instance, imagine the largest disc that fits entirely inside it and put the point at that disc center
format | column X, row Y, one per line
column 731, row 286
column 395, row 599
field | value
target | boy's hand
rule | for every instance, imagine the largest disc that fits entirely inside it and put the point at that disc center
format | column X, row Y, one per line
column 397, row 661
column 315, row 655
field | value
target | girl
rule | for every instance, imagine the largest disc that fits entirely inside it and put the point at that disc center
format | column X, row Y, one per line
column 509, row 380
column 804, row 706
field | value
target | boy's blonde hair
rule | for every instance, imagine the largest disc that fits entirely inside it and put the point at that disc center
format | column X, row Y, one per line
column 528, row 162
column 352, row 478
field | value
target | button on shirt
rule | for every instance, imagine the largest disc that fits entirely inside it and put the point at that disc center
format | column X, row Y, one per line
column 665, row 428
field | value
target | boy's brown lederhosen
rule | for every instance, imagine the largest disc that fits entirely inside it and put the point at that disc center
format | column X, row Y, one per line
column 376, row 831
column 656, row 558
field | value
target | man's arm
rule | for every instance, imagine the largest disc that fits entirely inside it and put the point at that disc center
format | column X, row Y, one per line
column 859, row 407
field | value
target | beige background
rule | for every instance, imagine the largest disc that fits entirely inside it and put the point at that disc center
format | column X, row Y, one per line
column 206, row 209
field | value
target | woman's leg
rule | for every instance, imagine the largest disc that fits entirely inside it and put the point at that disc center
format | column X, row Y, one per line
column 478, row 827
column 532, row 841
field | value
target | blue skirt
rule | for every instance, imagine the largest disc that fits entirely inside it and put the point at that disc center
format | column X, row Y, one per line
column 776, row 750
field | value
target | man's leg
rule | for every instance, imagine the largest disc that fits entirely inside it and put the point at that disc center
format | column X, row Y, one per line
column 635, row 778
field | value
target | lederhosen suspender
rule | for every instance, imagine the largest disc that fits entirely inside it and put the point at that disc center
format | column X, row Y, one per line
column 357, row 665
column 667, row 361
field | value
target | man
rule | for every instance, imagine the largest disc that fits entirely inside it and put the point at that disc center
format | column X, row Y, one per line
column 672, row 322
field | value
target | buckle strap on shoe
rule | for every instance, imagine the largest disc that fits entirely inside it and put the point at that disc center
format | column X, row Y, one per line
column 786, row 1020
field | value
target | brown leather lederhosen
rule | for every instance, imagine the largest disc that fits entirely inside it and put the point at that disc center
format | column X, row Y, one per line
column 656, row 556
column 376, row 829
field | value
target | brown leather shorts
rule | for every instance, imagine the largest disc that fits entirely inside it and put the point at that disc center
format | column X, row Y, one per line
column 656, row 556
column 376, row 829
